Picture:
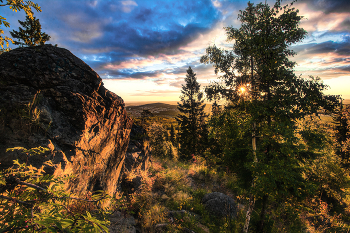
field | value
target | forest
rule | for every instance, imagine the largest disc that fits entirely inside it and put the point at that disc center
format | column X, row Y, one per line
column 270, row 140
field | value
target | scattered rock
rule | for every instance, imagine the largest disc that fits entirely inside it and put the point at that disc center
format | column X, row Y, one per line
column 122, row 223
column 219, row 204
column 51, row 98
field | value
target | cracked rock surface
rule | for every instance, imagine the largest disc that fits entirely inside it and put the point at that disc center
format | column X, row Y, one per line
column 51, row 98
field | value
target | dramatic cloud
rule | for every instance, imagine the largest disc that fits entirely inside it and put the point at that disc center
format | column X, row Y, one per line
column 143, row 48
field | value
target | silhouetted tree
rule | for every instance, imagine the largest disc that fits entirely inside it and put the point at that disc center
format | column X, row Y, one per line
column 31, row 34
column 192, row 117
column 16, row 5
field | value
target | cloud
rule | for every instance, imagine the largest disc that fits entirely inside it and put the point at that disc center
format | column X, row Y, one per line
column 128, row 6
column 329, row 6
column 155, row 93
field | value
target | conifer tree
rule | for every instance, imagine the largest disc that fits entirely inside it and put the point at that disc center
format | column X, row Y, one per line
column 31, row 34
column 258, row 80
column 192, row 117
column 15, row 5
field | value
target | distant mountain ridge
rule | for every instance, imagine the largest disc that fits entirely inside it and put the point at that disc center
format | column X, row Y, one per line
column 158, row 109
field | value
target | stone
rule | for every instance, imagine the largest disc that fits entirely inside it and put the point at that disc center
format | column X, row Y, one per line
column 51, row 98
column 138, row 152
column 137, row 159
column 220, row 205
column 122, row 223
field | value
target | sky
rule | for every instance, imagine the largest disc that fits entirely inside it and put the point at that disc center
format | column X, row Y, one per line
column 142, row 48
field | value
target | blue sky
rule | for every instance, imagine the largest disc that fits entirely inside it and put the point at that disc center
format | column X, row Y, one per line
column 142, row 49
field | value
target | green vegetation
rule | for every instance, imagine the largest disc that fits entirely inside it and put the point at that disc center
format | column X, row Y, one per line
column 34, row 202
column 268, row 99
column 31, row 35
column 191, row 120
column 322, row 202
column 268, row 147
column 15, row 5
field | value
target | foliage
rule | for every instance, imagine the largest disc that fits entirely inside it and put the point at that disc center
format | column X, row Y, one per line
column 231, row 132
column 15, row 5
column 259, row 81
column 172, row 134
column 157, row 141
column 31, row 35
column 192, row 135
column 342, row 134
column 34, row 201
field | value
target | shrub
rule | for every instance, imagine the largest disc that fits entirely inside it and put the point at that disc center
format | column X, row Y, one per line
column 30, row 200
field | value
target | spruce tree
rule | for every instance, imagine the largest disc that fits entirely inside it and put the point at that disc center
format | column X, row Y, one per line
column 191, row 118
column 31, row 35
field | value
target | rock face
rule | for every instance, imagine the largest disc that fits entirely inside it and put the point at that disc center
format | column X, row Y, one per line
column 51, row 98
column 137, row 159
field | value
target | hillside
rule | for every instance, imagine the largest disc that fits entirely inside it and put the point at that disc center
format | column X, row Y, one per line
column 158, row 109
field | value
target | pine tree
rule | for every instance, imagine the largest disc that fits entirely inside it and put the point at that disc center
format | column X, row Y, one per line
column 31, row 35
column 15, row 5
column 192, row 118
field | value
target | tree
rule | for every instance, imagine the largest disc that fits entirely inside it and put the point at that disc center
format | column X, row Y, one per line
column 172, row 134
column 15, row 5
column 157, row 141
column 342, row 134
column 192, row 117
column 31, row 35
column 258, row 79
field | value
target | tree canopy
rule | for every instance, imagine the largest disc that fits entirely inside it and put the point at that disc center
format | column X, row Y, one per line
column 15, row 5
column 31, row 34
column 258, row 80
column 191, row 119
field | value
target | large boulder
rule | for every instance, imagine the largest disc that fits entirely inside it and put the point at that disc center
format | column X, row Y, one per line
column 51, row 98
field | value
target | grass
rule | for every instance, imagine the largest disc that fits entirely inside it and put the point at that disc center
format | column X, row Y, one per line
column 171, row 185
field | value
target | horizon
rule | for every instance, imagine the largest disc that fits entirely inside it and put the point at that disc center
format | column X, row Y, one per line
column 139, row 103
column 142, row 50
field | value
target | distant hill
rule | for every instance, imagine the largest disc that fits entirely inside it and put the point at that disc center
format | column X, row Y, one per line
column 158, row 109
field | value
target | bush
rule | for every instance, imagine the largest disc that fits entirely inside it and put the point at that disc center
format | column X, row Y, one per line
column 32, row 201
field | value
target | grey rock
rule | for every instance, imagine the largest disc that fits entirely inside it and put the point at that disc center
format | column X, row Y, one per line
column 122, row 223
column 137, row 158
column 220, row 205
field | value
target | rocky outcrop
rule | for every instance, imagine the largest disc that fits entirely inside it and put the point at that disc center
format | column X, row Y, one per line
column 51, row 98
